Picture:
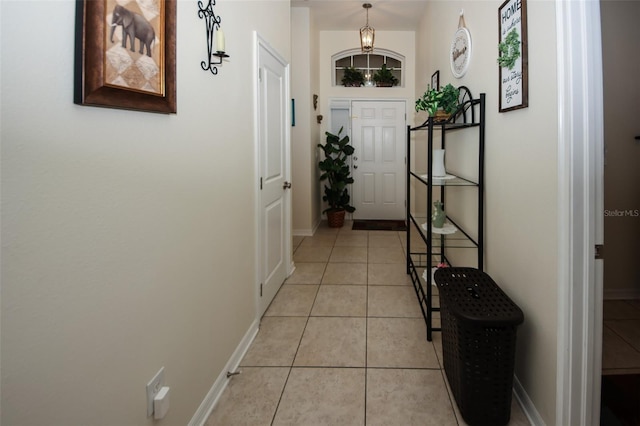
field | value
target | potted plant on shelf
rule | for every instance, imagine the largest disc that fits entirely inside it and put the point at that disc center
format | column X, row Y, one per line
column 384, row 77
column 352, row 77
column 440, row 104
column 336, row 171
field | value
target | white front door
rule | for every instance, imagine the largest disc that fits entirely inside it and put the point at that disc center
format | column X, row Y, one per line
column 273, row 171
column 378, row 163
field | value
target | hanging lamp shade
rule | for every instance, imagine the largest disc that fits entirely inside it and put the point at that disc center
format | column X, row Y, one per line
column 367, row 34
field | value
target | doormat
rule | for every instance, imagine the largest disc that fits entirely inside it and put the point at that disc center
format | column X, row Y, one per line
column 379, row 225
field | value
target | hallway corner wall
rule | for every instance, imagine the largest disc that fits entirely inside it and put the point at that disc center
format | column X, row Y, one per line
column 305, row 134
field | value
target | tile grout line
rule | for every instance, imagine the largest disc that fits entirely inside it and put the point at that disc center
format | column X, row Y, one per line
column 623, row 338
column 275, row 412
column 366, row 337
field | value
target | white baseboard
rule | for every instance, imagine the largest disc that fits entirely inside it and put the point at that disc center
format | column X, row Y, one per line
column 525, row 402
column 302, row 232
column 206, row 407
column 307, row 232
column 621, row 293
column 317, row 225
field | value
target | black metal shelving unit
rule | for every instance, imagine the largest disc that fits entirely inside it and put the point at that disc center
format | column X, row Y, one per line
column 469, row 115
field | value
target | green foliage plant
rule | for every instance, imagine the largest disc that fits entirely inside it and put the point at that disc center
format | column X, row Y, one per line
column 336, row 172
column 509, row 50
column 449, row 98
column 433, row 100
column 384, row 76
column 352, row 77
column 430, row 101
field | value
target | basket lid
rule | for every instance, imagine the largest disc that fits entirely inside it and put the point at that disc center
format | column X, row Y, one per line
column 471, row 295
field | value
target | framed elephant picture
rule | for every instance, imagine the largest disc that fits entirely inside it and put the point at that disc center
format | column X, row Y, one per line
column 126, row 54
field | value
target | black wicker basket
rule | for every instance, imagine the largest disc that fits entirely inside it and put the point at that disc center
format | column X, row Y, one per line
column 479, row 324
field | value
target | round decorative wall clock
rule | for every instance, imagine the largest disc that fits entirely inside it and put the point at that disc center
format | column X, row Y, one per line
column 460, row 54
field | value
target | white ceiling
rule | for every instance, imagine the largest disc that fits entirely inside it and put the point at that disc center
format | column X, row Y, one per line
column 384, row 15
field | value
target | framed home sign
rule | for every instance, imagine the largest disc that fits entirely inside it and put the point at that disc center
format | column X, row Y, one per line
column 126, row 55
column 513, row 61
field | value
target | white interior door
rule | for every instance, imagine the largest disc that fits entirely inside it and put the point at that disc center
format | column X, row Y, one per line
column 378, row 164
column 273, row 170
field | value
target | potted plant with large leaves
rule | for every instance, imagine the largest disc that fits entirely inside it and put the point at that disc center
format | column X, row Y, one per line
column 335, row 170
column 440, row 104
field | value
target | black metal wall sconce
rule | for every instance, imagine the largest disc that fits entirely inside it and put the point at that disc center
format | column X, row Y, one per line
column 212, row 21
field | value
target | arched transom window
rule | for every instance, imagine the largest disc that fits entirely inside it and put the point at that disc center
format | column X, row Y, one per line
column 367, row 63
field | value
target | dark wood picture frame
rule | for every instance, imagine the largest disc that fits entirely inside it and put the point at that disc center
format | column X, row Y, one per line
column 435, row 80
column 513, row 14
column 91, row 41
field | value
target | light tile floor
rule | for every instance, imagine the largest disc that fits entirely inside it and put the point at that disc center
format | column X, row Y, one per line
column 343, row 343
column 621, row 337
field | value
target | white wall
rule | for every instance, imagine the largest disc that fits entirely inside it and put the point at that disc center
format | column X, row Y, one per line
column 521, row 178
column 127, row 237
column 300, row 145
column 315, row 133
column 305, row 134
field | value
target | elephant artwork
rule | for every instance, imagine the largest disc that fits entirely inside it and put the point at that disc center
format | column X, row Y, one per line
column 134, row 26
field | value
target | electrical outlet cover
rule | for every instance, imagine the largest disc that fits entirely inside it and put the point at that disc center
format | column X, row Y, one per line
column 153, row 387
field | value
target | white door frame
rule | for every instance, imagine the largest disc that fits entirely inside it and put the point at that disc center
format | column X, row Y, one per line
column 580, row 211
column 260, row 42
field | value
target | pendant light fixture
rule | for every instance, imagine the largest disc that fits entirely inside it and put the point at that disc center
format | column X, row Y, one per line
column 367, row 34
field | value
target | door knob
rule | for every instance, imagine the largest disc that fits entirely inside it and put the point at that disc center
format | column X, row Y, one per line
column 286, row 185
column 355, row 166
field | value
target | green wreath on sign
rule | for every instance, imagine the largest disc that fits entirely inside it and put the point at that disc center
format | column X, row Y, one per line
column 509, row 50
